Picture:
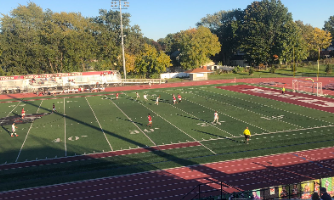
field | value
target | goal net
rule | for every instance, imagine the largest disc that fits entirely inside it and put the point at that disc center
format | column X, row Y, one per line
column 307, row 86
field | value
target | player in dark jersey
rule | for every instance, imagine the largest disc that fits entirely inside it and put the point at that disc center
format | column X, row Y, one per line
column 54, row 108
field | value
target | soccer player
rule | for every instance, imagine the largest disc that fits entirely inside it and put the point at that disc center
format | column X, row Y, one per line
column 179, row 97
column 137, row 95
column 23, row 113
column 145, row 97
column 283, row 90
column 216, row 117
column 54, row 108
column 247, row 135
column 149, row 120
column 157, row 101
column 116, row 95
column 174, row 99
column 14, row 130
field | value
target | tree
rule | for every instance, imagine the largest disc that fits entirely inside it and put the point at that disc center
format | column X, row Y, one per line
column 130, row 63
column 20, row 40
column 320, row 39
column 315, row 38
column 263, row 30
column 226, row 25
column 196, row 46
column 294, row 46
column 329, row 25
column 151, row 61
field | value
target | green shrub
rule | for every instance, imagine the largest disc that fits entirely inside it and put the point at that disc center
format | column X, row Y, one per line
column 251, row 71
column 272, row 70
column 328, row 69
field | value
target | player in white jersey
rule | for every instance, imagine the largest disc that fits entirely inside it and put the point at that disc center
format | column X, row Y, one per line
column 216, row 118
column 145, row 97
column 14, row 130
column 157, row 101
column 137, row 95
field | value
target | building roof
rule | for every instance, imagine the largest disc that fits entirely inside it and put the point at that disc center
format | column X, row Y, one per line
column 198, row 71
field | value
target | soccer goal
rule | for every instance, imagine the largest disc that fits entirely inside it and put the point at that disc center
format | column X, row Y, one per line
column 307, row 86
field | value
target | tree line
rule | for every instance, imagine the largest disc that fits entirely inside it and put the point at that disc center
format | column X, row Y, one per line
column 264, row 31
column 33, row 41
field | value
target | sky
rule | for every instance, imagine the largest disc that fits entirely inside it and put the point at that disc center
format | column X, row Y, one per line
column 157, row 18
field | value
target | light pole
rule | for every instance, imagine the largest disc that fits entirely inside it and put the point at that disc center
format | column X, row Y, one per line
column 115, row 6
column 293, row 57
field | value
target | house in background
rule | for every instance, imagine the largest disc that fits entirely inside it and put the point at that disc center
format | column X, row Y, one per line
column 198, row 74
column 238, row 60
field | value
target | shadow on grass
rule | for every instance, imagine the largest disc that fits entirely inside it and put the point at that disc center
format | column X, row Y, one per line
column 95, row 168
column 16, row 179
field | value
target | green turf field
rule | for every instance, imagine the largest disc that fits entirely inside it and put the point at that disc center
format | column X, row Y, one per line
column 100, row 124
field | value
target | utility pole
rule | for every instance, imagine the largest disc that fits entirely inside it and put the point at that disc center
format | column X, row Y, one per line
column 114, row 6
column 293, row 55
column 318, row 63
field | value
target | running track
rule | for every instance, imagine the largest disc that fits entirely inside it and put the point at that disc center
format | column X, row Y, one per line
column 243, row 174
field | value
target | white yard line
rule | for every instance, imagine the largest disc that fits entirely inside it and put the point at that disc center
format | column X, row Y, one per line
column 178, row 128
column 133, row 122
column 25, row 139
column 224, row 103
column 270, row 106
column 65, row 146
column 105, row 136
column 200, row 119
column 227, row 115
column 11, row 111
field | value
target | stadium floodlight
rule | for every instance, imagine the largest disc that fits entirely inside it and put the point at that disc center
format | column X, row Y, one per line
column 120, row 6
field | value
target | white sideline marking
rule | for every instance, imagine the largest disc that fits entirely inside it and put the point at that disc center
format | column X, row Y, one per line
column 65, row 146
column 11, row 111
column 179, row 129
column 133, row 122
column 25, row 139
column 99, row 125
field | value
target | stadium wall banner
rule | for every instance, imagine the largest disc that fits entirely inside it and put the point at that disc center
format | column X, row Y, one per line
column 309, row 187
column 327, row 183
column 54, row 75
column 256, row 194
column 301, row 190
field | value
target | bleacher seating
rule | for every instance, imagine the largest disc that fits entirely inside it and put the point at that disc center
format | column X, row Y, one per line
column 59, row 83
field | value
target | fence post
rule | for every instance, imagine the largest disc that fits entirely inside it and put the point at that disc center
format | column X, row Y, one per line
column 199, row 191
column 221, row 189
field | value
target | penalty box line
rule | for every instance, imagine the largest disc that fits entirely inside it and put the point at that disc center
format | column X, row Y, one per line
column 105, row 136
column 178, row 128
column 25, row 139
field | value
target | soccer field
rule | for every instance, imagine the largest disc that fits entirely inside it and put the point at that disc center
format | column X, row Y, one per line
column 96, row 124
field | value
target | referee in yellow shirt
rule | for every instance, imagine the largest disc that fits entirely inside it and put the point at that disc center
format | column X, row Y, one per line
column 247, row 134
column 283, row 90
